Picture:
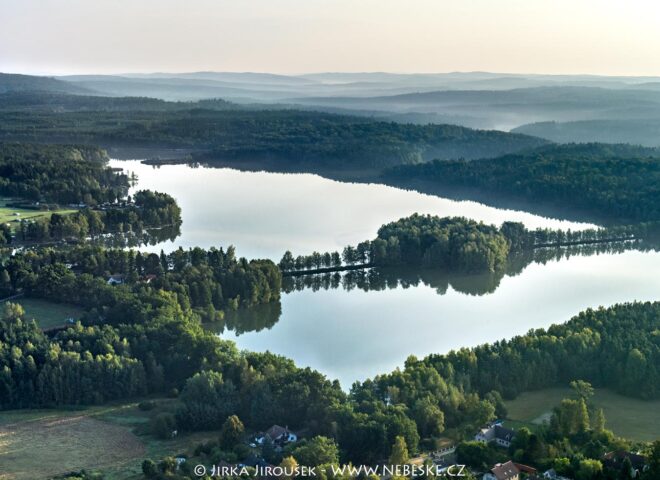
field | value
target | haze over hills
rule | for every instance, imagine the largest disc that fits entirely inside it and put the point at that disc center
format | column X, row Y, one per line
column 13, row 82
column 271, row 87
column 506, row 109
column 472, row 99
column 560, row 108
column 644, row 132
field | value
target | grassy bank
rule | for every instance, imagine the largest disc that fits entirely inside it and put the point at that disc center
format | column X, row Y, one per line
column 627, row 417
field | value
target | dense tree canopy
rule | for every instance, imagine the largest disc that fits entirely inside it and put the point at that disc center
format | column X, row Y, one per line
column 616, row 182
column 59, row 174
column 41, row 177
column 291, row 137
column 206, row 281
column 147, row 210
column 454, row 244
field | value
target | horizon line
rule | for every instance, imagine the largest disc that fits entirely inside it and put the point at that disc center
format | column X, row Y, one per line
column 329, row 72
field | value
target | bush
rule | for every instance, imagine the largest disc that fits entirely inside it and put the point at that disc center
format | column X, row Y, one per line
column 149, row 468
column 241, row 451
column 164, row 425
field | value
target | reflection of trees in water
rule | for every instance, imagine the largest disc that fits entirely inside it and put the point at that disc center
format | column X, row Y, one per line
column 151, row 237
column 377, row 279
column 254, row 319
column 265, row 316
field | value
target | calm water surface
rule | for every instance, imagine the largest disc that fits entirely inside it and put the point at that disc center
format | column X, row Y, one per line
column 264, row 214
column 353, row 335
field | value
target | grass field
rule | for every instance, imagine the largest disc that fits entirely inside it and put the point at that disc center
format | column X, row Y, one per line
column 8, row 214
column 49, row 314
column 49, row 443
column 627, row 417
column 111, row 439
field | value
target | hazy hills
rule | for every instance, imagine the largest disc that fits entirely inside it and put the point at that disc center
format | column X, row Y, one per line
column 506, row 109
column 644, row 132
column 475, row 99
column 561, row 108
column 12, row 83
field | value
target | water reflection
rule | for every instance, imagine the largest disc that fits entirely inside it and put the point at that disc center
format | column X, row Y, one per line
column 265, row 317
column 147, row 237
column 255, row 319
column 265, row 214
column 354, row 335
column 378, row 279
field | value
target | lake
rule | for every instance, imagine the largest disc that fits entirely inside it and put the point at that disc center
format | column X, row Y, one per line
column 355, row 334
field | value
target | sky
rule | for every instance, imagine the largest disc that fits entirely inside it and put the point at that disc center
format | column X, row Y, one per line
column 302, row 36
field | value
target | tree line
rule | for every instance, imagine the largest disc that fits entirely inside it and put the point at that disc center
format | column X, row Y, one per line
column 613, row 182
column 452, row 243
column 145, row 210
column 43, row 176
column 60, row 174
column 483, row 283
column 207, row 282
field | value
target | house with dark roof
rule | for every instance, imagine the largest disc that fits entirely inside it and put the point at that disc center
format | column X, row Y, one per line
column 503, row 471
column 277, row 435
column 615, row 461
column 496, row 433
column 509, row 471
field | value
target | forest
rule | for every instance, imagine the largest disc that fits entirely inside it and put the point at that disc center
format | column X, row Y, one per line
column 574, row 444
column 42, row 177
column 456, row 392
column 59, row 174
column 52, row 102
column 455, row 244
column 206, row 282
column 145, row 210
column 287, row 137
column 618, row 183
column 143, row 328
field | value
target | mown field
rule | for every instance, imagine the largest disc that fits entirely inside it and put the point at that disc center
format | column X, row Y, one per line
column 111, row 439
column 12, row 215
column 48, row 314
column 627, row 417
column 42, row 444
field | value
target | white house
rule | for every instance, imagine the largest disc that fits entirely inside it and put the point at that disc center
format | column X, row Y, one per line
column 115, row 279
column 496, row 433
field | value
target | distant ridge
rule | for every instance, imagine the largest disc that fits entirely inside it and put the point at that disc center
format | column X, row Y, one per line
column 14, row 82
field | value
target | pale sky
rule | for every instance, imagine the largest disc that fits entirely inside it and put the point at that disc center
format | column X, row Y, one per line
column 299, row 36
